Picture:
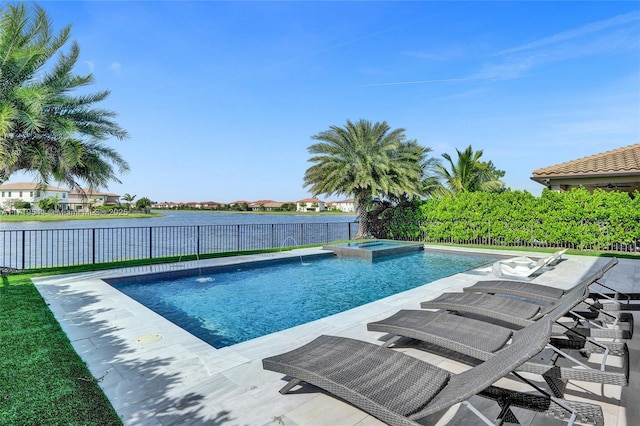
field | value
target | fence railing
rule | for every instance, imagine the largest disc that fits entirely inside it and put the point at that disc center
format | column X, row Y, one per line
column 583, row 235
column 31, row 249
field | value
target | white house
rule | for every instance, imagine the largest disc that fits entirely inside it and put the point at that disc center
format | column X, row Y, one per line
column 347, row 206
column 31, row 193
column 310, row 205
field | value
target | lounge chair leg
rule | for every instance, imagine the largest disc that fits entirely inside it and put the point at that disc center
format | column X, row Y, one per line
column 391, row 341
column 556, row 385
column 293, row 383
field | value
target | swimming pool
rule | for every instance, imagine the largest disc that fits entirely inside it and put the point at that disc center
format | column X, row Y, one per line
column 230, row 307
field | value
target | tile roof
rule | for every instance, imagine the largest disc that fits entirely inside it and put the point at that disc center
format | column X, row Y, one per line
column 89, row 192
column 621, row 161
column 310, row 200
column 29, row 186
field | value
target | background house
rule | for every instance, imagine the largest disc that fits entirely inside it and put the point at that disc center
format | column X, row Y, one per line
column 87, row 198
column 31, row 193
column 347, row 206
column 618, row 169
column 310, row 205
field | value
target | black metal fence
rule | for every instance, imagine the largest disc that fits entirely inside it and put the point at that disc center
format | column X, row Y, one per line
column 30, row 249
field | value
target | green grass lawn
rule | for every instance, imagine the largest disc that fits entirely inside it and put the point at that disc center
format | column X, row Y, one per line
column 42, row 379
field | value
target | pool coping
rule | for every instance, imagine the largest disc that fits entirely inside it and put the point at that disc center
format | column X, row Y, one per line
column 179, row 379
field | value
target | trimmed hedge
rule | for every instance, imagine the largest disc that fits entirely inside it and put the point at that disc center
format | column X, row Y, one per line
column 578, row 219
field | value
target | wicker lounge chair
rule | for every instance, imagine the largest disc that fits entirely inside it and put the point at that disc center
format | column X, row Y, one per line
column 520, row 313
column 400, row 389
column 481, row 340
column 528, row 290
column 548, row 294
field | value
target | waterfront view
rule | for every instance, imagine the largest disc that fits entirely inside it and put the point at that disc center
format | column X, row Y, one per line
column 181, row 218
column 179, row 234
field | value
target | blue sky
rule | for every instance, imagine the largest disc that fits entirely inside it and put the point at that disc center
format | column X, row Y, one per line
column 221, row 98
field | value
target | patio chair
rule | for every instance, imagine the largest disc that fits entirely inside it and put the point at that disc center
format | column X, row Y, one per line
column 548, row 294
column 528, row 290
column 520, row 313
column 400, row 389
column 453, row 334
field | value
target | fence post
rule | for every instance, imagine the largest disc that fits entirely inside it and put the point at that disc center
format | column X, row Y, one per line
column 23, row 248
column 93, row 246
column 302, row 233
column 198, row 241
column 150, row 242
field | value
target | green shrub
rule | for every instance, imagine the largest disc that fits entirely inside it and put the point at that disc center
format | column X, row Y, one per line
column 576, row 218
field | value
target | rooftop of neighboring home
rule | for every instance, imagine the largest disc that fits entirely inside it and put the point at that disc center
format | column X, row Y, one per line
column 30, row 186
column 617, row 169
column 621, row 161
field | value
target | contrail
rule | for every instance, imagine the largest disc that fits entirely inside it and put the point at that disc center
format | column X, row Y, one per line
column 402, row 83
column 336, row 46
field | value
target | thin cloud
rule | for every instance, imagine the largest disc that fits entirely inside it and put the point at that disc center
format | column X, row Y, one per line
column 116, row 67
column 90, row 65
column 404, row 83
column 564, row 36
column 617, row 33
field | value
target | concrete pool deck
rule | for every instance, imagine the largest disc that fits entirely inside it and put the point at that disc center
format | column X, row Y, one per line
column 155, row 373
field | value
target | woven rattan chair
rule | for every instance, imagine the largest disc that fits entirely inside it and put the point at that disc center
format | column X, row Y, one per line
column 400, row 389
column 468, row 337
column 587, row 311
column 548, row 294
column 521, row 313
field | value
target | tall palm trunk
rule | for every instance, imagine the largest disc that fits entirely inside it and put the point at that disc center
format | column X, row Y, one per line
column 363, row 220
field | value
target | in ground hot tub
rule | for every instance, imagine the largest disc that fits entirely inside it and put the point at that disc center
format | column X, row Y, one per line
column 370, row 250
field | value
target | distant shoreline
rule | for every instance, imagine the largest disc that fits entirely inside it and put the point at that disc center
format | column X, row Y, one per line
column 47, row 217
column 325, row 213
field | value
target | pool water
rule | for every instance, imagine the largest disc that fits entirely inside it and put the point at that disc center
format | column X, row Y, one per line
column 226, row 308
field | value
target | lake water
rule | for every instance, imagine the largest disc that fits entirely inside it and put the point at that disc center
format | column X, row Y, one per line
column 181, row 218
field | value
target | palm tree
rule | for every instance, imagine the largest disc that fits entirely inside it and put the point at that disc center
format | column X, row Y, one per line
column 469, row 174
column 363, row 161
column 143, row 203
column 128, row 198
column 44, row 129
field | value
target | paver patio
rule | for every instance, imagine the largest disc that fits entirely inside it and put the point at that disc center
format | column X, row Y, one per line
column 155, row 373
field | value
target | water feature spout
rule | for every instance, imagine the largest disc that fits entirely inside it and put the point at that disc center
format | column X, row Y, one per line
column 296, row 244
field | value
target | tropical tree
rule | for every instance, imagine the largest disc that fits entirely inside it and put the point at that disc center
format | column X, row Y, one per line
column 44, row 129
column 50, row 203
column 364, row 160
column 143, row 203
column 128, row 199
column 468, row 174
